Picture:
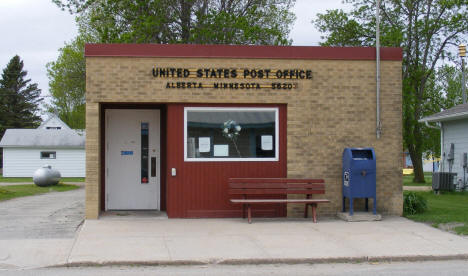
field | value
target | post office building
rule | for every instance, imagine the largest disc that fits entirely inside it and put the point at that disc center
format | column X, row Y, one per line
column 168, row 125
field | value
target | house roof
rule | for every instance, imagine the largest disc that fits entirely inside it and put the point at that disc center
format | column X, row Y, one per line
column 53, row 121
column 29, row 138
column 455, row 113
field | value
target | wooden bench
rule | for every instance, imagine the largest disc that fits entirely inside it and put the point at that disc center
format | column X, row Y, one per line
column 245, row 187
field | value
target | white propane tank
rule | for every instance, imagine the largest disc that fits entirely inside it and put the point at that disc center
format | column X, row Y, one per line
column 46, row 176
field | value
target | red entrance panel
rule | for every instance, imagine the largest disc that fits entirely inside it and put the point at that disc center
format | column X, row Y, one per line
column 200, row 189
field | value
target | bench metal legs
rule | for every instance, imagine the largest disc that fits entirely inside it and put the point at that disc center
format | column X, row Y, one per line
column 313, row 205
column 243, row 207
column 314, row 211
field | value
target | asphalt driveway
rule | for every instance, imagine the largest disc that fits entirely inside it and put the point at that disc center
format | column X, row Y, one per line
column 54, row 215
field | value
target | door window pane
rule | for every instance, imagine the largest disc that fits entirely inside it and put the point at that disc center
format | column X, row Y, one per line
column 231, row 134
column 144, row 152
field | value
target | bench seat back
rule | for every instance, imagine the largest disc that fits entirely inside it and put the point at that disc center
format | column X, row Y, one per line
column 275, row 186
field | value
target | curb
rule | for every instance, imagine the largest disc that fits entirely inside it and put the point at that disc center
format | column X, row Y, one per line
column 290, row 261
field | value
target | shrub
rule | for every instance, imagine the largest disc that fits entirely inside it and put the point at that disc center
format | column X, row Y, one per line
column 413, row 203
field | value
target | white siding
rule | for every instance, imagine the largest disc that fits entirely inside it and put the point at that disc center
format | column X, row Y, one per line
column 53, row 122
column 23, row 162
column 456, row 132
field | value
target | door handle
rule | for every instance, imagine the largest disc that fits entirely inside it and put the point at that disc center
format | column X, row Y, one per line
column 153, row 166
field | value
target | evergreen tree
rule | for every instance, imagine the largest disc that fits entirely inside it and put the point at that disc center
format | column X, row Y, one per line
column 19, row 99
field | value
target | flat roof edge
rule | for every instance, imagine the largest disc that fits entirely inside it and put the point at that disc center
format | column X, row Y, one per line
column 241, row 51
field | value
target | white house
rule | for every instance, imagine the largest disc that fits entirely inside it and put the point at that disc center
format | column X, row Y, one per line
column 52, row 143
column 453, row 125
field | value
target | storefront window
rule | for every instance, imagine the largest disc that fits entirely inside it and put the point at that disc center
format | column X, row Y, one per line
column 231, row 134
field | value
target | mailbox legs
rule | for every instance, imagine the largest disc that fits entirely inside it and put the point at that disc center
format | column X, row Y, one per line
column 375, row 206
column 351, row 205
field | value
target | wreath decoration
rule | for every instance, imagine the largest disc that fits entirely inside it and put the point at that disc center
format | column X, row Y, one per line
column 231, row 130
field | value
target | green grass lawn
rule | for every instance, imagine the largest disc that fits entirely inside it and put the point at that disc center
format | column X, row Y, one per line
column 13, row 191
column 447, row 207
column 408, row 180
column 29, row 179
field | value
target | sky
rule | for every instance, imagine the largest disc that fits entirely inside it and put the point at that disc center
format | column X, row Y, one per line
column 36, row 29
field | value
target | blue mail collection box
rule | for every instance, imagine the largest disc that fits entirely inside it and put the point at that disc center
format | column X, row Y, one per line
column 359, row 176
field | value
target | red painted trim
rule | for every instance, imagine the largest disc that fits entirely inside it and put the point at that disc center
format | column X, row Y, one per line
column 200, row 189
column 240, row 51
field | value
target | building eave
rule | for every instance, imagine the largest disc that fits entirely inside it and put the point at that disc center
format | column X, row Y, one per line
column 451, row 117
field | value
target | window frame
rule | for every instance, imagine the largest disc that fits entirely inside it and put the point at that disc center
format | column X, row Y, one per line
column 49, row 152
column 236, row 109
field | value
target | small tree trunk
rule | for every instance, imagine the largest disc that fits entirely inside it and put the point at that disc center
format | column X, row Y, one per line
column 185, row 14
column 416, row 158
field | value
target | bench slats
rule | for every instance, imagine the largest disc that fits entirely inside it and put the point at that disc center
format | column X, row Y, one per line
column 269, row 185
column 276, row 186
column 274, row 191
column 274, row 180
column 268, row 201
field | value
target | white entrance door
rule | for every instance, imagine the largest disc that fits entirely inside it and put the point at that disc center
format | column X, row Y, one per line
column 132, row 159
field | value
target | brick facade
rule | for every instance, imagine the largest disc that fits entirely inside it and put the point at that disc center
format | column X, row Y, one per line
column 334, row 110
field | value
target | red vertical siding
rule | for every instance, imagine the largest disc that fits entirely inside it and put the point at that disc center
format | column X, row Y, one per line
column 200, row 189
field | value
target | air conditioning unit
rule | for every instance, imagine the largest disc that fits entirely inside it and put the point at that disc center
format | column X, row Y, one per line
column 443, row 181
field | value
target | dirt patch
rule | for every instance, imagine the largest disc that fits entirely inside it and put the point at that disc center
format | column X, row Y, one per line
column 417, row 188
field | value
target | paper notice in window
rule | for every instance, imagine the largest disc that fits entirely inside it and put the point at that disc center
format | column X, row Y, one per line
column 204, row 144
column 267, row 142
column 221, row 150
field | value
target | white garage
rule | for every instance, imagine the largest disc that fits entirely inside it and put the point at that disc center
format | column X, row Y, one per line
column 53, row 143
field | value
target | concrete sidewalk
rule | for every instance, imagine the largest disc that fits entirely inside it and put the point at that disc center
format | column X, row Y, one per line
column 40, row 230
column 131, row 240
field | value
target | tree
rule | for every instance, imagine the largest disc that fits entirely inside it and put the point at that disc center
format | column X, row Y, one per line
column 158, row 21
column 425, row 29
column 19, row 99
column 443, row 91
column 67, row 83
column 185, row 21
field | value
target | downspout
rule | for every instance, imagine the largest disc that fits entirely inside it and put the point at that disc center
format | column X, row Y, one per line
column 442, row 151
column 377, row 57
column 428, row 125
column 439, row 126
